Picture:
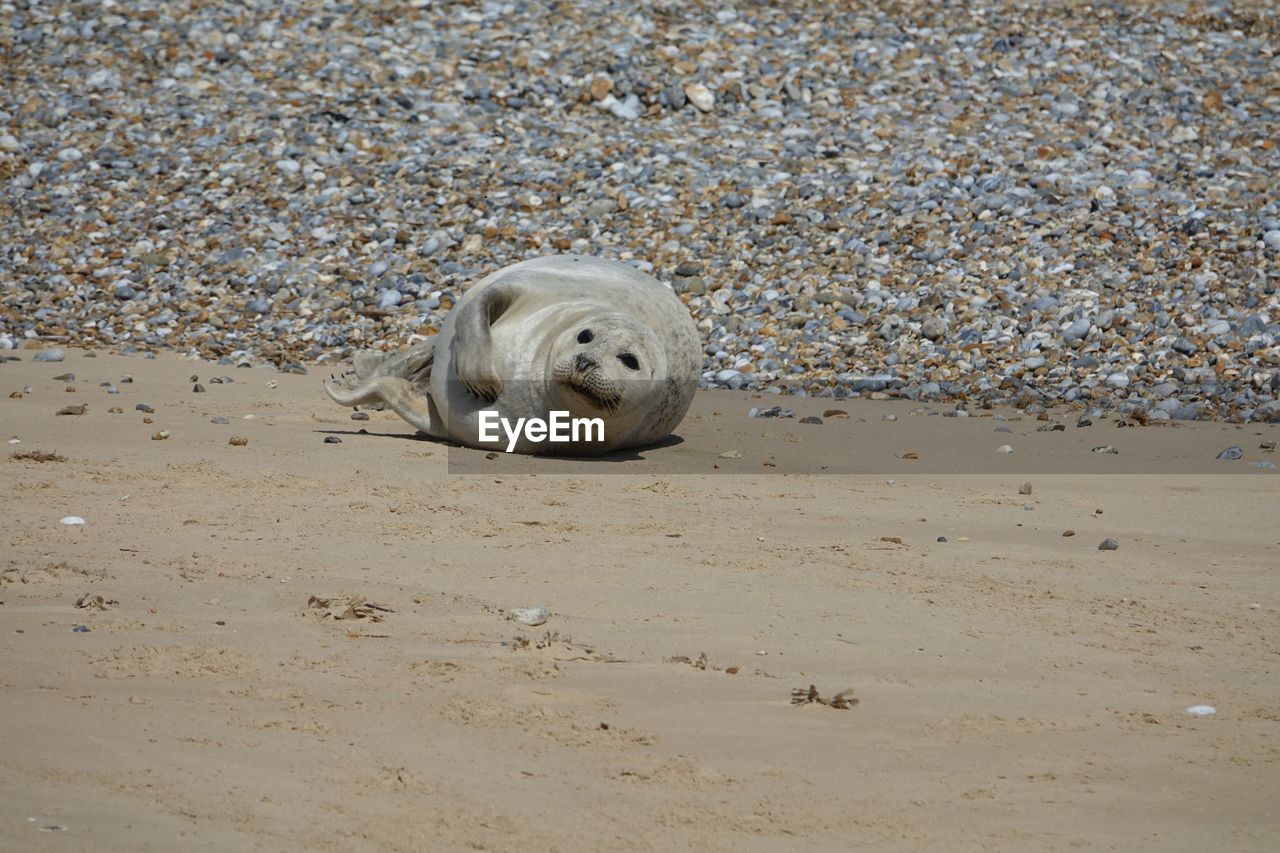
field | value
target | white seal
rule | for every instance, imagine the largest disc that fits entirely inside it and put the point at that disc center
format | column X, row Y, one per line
column 564, row 333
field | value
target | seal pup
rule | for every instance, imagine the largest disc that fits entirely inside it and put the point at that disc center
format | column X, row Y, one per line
column 567, row 333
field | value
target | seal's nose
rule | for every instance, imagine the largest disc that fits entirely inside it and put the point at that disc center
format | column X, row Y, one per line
column 583, row 362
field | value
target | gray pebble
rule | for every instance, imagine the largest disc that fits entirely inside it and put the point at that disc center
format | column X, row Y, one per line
column 1108, row 544
column 1232, row 453
column 332, row 439
column 55, row 354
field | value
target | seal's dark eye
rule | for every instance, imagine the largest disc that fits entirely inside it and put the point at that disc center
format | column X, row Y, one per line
column 585, row 336
column 629, row 360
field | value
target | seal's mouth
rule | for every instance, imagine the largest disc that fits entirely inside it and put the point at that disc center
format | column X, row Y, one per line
column 601, row 398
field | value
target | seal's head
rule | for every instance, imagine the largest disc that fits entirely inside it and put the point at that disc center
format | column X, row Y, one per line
column 608, row 364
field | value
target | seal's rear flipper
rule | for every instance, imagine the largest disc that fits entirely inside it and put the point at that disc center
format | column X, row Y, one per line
column 397, row 380
column 413, row 364
column 401, row 396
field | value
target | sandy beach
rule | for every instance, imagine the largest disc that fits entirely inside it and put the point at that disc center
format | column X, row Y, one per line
column 306, row 645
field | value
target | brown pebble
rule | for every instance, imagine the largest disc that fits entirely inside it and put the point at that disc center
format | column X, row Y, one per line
column 74, row 410
column 835, row 413
column 238, row 441
column 1068, row 533
column 115, row 410
column 148, row 420
column 601, row 86
column 1024, row 489
column 194, row 378
column 70, row 389
column 160, row 436
column 15, row 395
column 733, row 670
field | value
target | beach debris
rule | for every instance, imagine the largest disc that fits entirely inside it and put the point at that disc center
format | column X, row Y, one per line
column 1202, row 710
column 1262, row 463
column 72, row 520
column 531, row 616
column 1267, row 446
column 842, row 701
column 1104, row 448
column 197, row 388
column 238, row 441
column 1082, row 421
column 731, row 454
column 37, row 456
column 161, row 435
column 55, row 354
column 771, row 412
column 219, row 420
column 78, row 409
column 811, row 419
column 354, row 607
column 942, row 539
column 80, row 629
column 835, row 413
column 332, row 439
column 1231, row 454
column 65, row 377
column 92, row 601
column 144, row 408
column 1024, row 489
column 1004, row 448
column 1108, row 544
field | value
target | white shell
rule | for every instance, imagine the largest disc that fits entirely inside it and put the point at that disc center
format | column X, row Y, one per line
column 1202, row 710
column 73, row 519
column 528, row 615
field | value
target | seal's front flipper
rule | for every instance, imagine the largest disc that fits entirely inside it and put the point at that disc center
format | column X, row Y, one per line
column 473, row 356
column 396, row 393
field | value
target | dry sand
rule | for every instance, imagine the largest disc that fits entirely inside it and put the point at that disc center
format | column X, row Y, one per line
column 1019, row 690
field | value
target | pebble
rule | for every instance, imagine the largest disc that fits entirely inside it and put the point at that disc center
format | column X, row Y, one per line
column 80, row 629
column 1068, row 533
column 772, row 412
column 332, row 439
column 288, row 193
column 1004, row 448
column 1232, row 454
column 811, row 419
column 161, row 435
column 700, row 96
column 359, row 416
column 65, row 377
column 1202, row 710
column 55, row 354
column 144, row 408
column 73, row 519
column 1108, row 544
column 219, row 419
column 238, row 441
column 1024, row 489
